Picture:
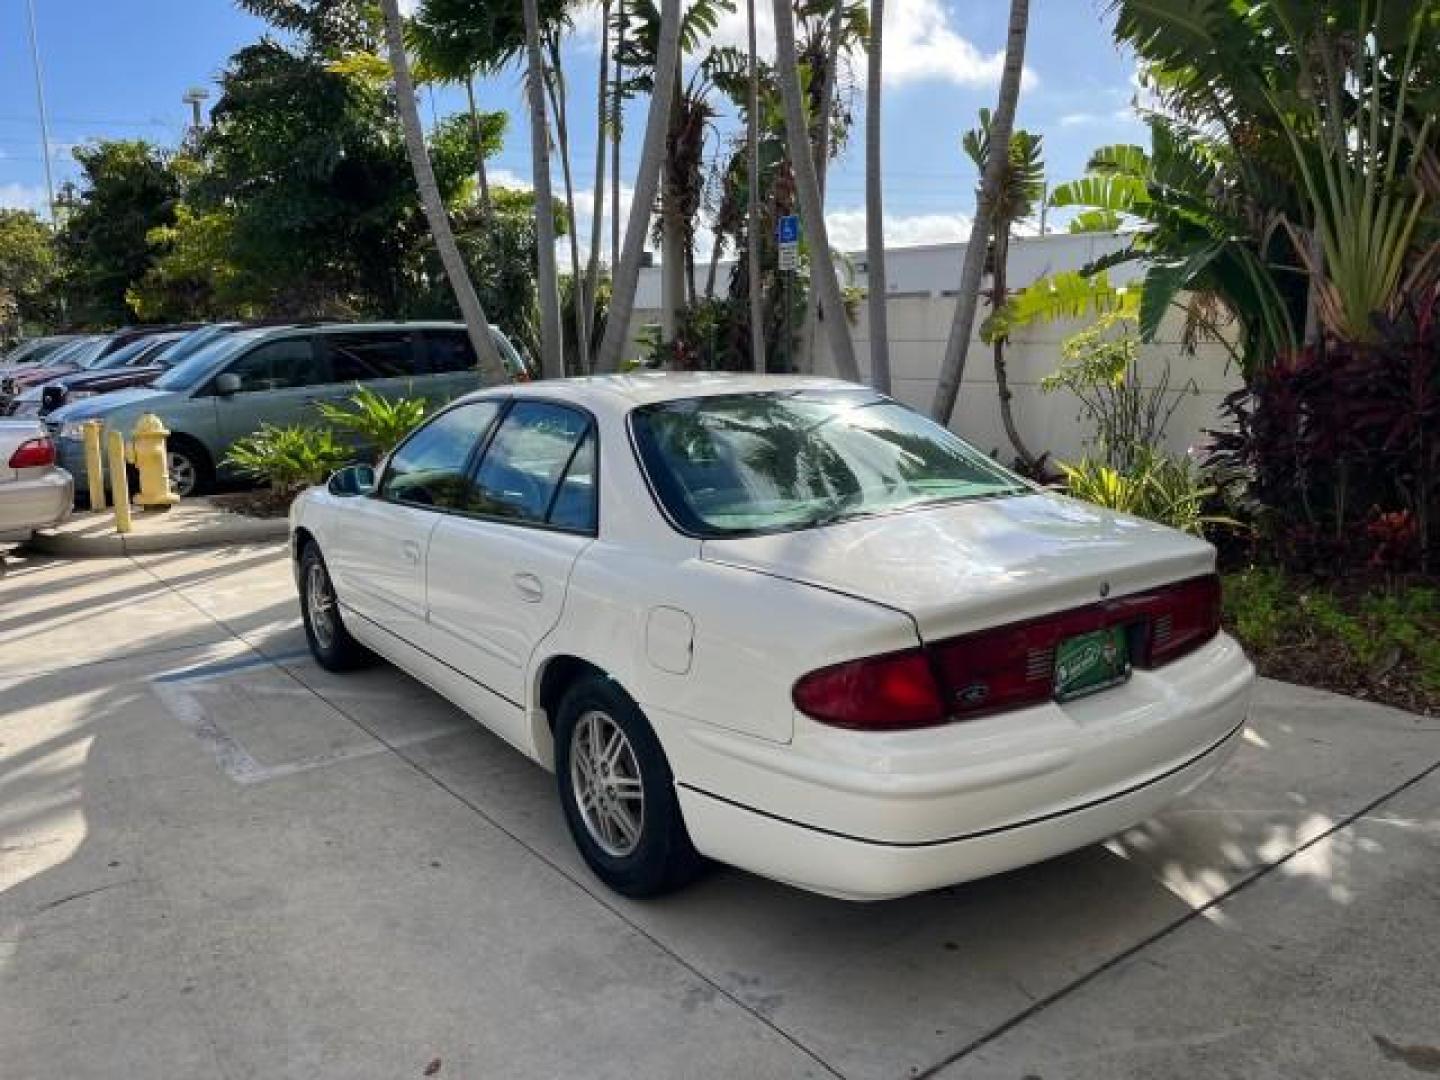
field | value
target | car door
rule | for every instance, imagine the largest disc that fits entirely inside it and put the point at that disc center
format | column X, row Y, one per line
column 279, row 381
column 497, row 572
column 377, row 555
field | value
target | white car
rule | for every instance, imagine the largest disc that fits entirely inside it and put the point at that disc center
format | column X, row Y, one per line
column 34, row 491
column 785, row 623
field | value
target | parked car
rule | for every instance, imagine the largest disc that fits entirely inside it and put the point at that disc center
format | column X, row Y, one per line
column 136, row 364
column 34, row 491
column 33, row 350
column 77, row 355
column 786, row 623
column 278, row 375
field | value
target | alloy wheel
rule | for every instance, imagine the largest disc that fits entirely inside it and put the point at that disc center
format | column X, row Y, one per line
column 605, row 777
column 320, row 603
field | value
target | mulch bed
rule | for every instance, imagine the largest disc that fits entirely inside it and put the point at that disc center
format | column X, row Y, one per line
column 1327, row 665
column 260, row 503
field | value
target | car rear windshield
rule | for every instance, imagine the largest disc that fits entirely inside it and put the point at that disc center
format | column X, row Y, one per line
column 742, row 464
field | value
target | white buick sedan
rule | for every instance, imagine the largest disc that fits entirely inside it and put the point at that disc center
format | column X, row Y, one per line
column 783, row 623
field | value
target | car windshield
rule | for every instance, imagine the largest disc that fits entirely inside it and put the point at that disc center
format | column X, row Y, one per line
column 198, row 366
column 123, row 355
column 189, row 344
column 68, row 352
column 772, row 462
column 88, row 355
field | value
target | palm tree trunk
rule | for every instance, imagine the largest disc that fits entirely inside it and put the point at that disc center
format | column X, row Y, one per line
column 752, row 208
column 555, row 83
column 597, row 210
column 998, row 296
column 822, row 168
column 481, row 176
column 952, row 371
column 552, row 345
column 715, row 253
column 616, row 116
column 672, row 229
column 807, row 190
column 478, row 327
column 652, row 156
column 875, row 209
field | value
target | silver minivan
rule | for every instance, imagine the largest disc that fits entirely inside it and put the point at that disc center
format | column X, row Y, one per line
column 279, row 375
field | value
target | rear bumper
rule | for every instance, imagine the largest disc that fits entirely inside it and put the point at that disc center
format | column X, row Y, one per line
column 872, row 815
column 35, row 503
column 857, row 869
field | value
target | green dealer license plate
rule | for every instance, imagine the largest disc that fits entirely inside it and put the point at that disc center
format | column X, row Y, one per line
column 1090, row 662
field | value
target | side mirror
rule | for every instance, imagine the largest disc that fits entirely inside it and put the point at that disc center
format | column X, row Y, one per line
column 227, row 384
column 351, row 481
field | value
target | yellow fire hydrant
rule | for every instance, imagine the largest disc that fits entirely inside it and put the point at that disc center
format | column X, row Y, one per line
column 147, row 454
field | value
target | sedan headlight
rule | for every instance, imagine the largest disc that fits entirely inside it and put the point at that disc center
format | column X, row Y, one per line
column 75, row 429
column 79, row 395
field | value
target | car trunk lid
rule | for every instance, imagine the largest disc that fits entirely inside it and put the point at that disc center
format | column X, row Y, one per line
column 962, row 567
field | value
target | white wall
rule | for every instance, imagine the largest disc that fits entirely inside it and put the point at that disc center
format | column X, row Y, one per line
column 921, row 283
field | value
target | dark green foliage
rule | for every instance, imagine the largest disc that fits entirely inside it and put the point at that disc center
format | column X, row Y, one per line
column 128, row 188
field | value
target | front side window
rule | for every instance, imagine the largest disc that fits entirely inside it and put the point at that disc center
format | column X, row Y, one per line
column 531, row 454
column 771, row 462
column 278, row 365
column 429, row 468
column 365, row 357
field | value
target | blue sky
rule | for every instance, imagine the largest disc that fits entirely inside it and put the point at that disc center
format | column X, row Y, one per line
column 119, row 69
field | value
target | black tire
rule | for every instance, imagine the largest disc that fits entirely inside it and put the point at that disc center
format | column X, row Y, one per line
column 663, row 858
column 331, row 644
column 189, row 459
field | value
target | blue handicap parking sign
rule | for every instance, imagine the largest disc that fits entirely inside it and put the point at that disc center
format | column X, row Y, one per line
column 787, row 229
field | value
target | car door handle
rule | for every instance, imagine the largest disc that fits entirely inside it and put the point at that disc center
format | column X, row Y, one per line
column 529, row 587
column 410, row 551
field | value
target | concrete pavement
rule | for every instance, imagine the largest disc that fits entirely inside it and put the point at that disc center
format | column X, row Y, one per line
column 217, row 859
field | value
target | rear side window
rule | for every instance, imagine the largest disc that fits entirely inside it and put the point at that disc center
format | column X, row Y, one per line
column 531, row 455
column 429, row 467
column 366, row 357
column 449, row 351
column 278, row 365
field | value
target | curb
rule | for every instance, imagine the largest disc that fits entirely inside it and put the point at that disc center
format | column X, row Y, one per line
column 224, row 534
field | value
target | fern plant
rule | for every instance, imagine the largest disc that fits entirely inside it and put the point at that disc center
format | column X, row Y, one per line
column 288, row 458
column 377, row 422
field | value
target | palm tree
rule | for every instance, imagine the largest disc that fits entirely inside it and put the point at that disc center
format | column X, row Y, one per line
column 752, row 197
column 597, row 211
column 555, row 88
column 807, row 187
column 1022, row 187
column 476, row 324
column 820, row 139
column 952, row 371
column 552, row 354
column 627, row 273
column 875, row 209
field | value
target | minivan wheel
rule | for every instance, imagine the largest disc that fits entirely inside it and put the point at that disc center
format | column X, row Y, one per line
column 618, row 793
column 330, row 642
column 189, row 466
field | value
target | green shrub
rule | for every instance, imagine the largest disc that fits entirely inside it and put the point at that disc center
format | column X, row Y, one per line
column 377, row 422
column 288, row 458
column 1156, row 487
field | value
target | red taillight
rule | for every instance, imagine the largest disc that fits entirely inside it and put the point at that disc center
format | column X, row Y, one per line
column 1008, row 667
column 876, row 694
column 1185, row 617
column 33, row 454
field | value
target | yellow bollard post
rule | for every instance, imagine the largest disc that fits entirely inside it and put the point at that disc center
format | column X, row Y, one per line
column 147, row 450
column 119, row 482
column 94, row 464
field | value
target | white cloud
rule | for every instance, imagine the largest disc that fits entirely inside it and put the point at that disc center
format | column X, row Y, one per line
column 22, row 197
column 1124, row 115
column 847, row 229
column 921, row 43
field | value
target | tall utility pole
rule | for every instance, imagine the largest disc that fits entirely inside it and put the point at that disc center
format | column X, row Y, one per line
column 44, row 120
